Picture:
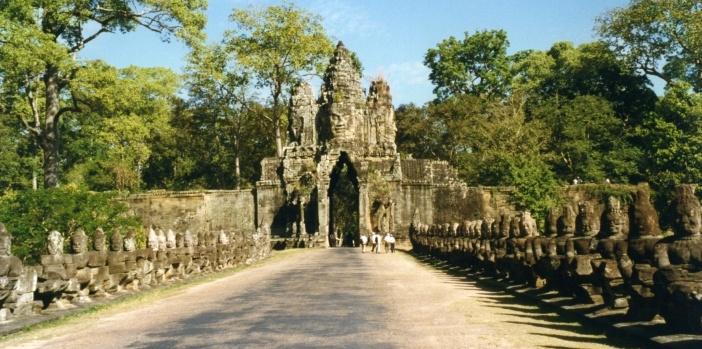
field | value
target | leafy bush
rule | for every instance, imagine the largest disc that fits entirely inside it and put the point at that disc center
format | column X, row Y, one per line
column 30, row 215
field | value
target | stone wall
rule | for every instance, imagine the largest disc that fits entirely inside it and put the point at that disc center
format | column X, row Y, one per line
column 206, row 231
column 212, row 210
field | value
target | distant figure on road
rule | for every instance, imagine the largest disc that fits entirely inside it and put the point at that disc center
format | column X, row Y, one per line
column 375, row 240
column 364, row 241
column 389, row 243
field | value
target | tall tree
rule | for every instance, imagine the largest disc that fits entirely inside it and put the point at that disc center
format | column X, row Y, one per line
column 280, row 44
column 40, row 40
column 660, row 37
column 123, row 112
column 476, row 65
column 218, row 86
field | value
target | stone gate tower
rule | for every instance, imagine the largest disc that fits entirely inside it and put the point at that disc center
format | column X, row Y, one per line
column 344, row 127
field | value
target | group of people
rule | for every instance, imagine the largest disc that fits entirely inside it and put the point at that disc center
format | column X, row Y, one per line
column 375, row 240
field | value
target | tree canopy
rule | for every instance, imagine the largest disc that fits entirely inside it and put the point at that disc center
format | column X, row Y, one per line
column 279, row 44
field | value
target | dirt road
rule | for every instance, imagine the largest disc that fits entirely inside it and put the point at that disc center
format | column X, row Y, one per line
column 326, row 298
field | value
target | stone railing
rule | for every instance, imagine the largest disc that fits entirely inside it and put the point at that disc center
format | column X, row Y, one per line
column 618, row 259
column 63, row 279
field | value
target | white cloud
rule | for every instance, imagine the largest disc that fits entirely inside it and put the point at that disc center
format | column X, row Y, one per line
column 342, row 18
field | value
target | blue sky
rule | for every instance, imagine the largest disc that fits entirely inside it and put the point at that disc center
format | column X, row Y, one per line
column 390, row 37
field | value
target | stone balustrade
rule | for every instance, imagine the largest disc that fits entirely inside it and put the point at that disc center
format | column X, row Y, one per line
column 618, row 259
column 65, row 279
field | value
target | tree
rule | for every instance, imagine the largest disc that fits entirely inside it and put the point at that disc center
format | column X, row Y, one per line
column 279, row 44
column 416, row 134
column 662, row 38
column 40, row 40
column 566, row 72
column 587, row 140
column 673, row 139
column 476, row 65
column 221, row 88
column 123, row 111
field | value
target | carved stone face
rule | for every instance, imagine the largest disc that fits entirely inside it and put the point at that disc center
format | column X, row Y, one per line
column 99, row 240
column 688, row 223
column 116, row 241
column 688, row 219
column 55, row 243
column 79, row 241
column 341, row 122
column 130, row 241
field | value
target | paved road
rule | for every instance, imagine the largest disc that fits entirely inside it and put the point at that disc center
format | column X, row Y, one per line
column 323, row 299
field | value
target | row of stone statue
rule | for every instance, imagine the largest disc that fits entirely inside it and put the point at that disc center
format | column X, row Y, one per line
column 619, row 258
column 63, row 279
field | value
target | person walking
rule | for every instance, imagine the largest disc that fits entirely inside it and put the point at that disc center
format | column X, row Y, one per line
column 364, row 241
column 389, row 243
column 375, row 239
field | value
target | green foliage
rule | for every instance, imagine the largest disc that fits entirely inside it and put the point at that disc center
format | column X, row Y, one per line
column 123, row 113
column 477, row 65
column 40, row 41
column 660, row 37
column 602, row 192
column 279, row 44
column 673, row 139
column 30, row 215
column 535, row 188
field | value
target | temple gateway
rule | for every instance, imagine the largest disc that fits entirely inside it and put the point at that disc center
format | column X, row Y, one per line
column 347, row 135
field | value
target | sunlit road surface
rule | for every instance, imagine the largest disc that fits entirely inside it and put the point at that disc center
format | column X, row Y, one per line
column 331, row 298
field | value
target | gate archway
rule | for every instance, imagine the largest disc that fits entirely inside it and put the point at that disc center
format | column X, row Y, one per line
column 343, row 204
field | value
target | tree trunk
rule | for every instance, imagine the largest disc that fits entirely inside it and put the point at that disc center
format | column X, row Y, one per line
column 237, row 172
column 49, row 139
column 276, row 121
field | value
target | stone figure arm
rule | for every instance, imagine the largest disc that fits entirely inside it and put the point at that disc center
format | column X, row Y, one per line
column 660, row 256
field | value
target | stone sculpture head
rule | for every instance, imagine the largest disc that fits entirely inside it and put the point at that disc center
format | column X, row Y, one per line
column 566, row 222
column 130, row 241
column 152, row 240
column 116, row 241
column 341, row 120
column 99, row 240
column 79, row 241
column 170, row 239
column 688, row 221
column 586, row 224
column 644, row 217
column 54, row 244
column 527, row 225
column 551, row 222
column 188, row 239
column 514, row 229
column 161, row 240
column 5, row 242
column 613, row 219
column 223, row 238
column 180, row 239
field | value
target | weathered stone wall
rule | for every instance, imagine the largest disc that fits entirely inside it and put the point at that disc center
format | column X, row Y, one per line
column 230, row 210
